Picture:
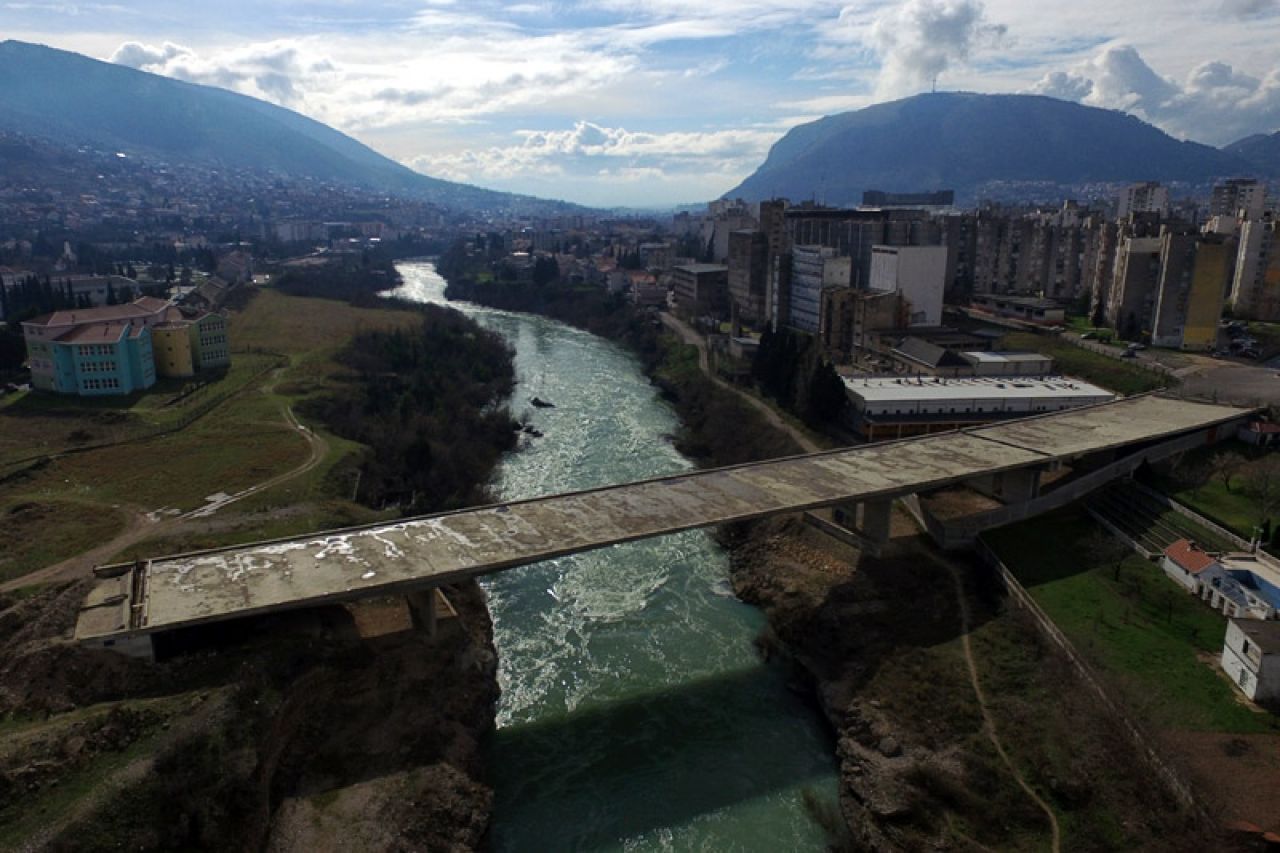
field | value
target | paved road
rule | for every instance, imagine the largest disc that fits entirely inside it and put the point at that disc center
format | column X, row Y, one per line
column 1226, row 380
column 1233, row 382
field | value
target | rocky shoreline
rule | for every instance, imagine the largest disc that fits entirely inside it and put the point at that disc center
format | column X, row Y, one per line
column 880, row 640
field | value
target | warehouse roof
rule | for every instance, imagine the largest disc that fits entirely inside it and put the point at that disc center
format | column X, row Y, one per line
column 878, row 389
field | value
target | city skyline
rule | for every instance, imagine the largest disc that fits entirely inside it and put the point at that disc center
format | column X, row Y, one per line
column 667, row 101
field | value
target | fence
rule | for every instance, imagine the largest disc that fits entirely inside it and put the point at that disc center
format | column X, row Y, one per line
column 1182, row 789
column 186, row 419
column 1165, row 500
column 1147, row 364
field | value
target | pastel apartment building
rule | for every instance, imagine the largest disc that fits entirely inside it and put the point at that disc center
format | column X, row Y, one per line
column 119, row 349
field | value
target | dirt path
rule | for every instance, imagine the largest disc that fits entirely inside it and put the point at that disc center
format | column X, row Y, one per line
column 691, row 337
column 141, row 527
column 180, row 726
column 988, row 721
column 318, row 448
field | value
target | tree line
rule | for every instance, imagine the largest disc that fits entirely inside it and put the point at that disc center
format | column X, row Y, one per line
column 790, row 367
column 428, row 402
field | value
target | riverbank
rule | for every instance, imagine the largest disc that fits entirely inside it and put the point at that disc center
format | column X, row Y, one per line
column 718, row 427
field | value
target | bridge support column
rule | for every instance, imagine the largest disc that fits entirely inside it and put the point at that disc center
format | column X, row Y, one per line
column 423, row 607
column 873, row 521
column 1020, row 484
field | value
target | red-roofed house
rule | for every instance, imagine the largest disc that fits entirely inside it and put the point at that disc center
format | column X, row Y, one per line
column 1259, row 433
column 1184, row 561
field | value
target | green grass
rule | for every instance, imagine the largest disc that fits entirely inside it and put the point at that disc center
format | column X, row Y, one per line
column 1231, row 508
column 1141, row 630
column 41, row 423
column 30, row 813
column 1080, row 323
column 38, row 533
column 1099, row 369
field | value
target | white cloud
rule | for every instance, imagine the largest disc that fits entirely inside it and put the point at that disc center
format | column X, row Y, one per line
column 1214, row 103
column 584, row 160
column 144, row 56
column 279, row 71
column 588, row 148
column 915, row 41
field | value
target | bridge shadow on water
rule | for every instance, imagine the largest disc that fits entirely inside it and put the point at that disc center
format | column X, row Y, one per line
column 617, row 770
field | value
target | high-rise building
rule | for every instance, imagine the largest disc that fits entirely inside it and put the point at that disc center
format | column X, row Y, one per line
column 918, row 273
column 1243, row 198
column 701, row 289
column 1146, row 197
column 1132, row 295
column 748, row 274
column 814, row 269
column 1255, row 289
column 1194, row 274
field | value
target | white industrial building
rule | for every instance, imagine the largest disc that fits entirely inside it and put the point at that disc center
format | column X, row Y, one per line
column 886, row 407
column 919, row 273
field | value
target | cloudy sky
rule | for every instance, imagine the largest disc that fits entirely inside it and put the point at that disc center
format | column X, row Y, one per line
column 647, row 102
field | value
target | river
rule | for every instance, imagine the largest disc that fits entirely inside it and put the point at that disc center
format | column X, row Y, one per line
column 636, row 713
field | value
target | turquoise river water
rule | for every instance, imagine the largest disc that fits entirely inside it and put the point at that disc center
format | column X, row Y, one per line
column 636, row 713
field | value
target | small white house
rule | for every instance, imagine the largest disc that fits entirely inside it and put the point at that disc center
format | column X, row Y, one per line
column 1251, row 657
column 1236, row 585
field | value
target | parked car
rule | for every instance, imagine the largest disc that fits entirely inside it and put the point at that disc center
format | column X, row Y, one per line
column 1088, row 336
column 1128, row 354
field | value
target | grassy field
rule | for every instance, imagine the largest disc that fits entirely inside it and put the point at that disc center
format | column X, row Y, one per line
column 37, row 533
column 1153, row 642
column 34, row 424
column 81, row 500
column 1231, row 508
column 1099, row 369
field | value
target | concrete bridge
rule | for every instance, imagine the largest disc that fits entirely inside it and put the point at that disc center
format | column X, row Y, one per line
column 413, row 556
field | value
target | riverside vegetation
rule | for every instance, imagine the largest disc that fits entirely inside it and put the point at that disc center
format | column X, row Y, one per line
column 293, row 731
column 917, row 765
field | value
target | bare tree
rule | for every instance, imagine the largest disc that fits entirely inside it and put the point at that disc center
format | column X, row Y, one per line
column 1191, row 475
column 1262, row 483
column 1103, row 549
column 1226, row 464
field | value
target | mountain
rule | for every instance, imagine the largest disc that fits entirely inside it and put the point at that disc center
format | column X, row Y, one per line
column 1262, row 151
column 63, row 96
column 966, row 141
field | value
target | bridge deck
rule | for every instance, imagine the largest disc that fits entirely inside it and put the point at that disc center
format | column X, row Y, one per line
column 389, row 558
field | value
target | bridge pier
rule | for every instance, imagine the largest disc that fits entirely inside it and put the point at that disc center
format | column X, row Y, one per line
column 422, row 605
column 1020, row 484
column 873, row 521
column 1010, row 487
column 869, row 520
